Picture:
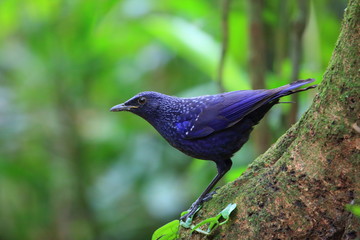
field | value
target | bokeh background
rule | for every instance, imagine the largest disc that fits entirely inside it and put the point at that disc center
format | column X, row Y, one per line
column 70, row 169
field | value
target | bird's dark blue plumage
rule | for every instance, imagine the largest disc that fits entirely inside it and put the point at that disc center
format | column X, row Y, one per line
column 211, row 127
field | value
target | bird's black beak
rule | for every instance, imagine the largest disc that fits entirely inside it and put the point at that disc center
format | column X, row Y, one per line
column 122, row 107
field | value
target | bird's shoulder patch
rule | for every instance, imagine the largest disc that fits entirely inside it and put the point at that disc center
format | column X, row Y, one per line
column 192, row 123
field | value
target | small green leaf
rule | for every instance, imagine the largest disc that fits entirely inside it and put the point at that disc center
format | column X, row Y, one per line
column 184, row 212
column 187, row 223
column 227, row 211
column 167, row 232
column 214, row 221
column 355, row 209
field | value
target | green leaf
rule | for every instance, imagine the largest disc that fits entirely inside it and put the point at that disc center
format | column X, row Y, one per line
column 167, row 232
column 227, row 211
column 355, row 209
column 187, row 223
column 214, row 221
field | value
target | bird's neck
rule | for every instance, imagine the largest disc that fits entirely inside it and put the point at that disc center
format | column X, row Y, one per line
column 164, row 117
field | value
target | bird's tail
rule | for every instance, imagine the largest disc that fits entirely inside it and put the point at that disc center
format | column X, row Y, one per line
column 291, row 88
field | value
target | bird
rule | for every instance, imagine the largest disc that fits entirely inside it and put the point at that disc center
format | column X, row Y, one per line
column 210, row 127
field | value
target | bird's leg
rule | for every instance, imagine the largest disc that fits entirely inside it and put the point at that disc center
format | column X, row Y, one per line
column 222, row 168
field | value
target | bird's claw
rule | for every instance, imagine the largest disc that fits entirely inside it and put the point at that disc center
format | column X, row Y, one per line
column 210, row 195
column 192, row 210
column 197, row 205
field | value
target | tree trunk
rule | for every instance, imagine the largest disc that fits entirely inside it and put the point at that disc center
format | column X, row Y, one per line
column 299, row 188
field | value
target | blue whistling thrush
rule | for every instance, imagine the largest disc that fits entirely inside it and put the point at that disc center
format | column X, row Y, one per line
column 211, row 127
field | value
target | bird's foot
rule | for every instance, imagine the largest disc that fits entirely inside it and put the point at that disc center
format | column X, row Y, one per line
column 210, row 195
column 192, row 210
column 197, row 205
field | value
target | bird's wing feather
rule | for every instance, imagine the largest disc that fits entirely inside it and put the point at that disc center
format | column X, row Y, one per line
column 231, row 109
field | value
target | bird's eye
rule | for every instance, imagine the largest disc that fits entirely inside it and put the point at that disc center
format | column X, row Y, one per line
column 142, row 100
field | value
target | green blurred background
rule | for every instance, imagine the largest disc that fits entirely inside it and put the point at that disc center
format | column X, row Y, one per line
column 70, row 169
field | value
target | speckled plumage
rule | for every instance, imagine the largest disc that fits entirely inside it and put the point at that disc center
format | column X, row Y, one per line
column 211, row 127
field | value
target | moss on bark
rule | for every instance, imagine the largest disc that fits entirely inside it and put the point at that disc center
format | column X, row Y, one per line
column 299, row 188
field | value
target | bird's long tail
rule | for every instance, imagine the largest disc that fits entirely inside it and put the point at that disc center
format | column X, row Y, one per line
column 291, row 88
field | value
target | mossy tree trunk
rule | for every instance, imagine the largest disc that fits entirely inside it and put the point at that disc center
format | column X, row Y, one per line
column 299, row 188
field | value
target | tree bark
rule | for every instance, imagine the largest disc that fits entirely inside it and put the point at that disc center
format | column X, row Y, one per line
column 299, row 188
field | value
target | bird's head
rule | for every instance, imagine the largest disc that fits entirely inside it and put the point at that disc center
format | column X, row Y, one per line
column 144, row 104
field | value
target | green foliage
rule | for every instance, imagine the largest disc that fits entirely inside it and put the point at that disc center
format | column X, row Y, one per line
column 196, row 46
column 167, row 232
column 212, row 222
column 355, row 209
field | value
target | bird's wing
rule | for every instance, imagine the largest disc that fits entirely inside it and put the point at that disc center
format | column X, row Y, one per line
column 225, row 111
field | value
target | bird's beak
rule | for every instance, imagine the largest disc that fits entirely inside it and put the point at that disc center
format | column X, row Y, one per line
column 122, row 107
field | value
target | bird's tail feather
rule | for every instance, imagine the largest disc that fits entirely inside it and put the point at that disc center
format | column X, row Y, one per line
column 291, row 88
